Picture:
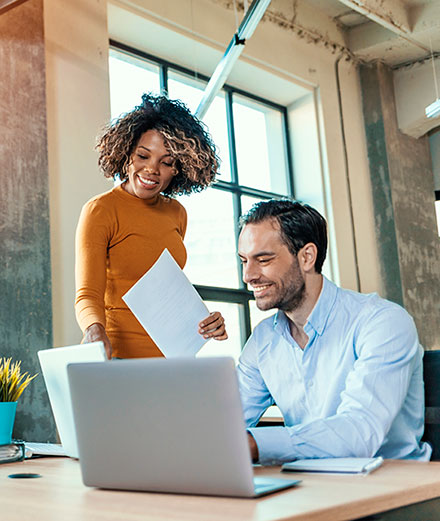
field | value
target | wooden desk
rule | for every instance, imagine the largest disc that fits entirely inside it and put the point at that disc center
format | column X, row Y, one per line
column 60, row 495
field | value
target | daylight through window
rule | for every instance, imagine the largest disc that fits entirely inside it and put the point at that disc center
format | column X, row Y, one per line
column 251, row 135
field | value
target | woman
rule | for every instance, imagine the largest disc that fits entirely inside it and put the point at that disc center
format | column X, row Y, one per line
column 157, row 150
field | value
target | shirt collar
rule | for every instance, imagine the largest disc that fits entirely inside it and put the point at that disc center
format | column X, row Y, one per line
column 320, row 313
column 323, row 307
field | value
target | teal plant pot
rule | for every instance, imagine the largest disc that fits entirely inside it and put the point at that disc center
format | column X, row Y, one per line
column 7, row 417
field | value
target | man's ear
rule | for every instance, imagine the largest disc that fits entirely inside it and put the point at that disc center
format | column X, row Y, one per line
column 307, row 256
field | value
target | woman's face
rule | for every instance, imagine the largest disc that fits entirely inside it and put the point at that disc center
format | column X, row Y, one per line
column 151, row 167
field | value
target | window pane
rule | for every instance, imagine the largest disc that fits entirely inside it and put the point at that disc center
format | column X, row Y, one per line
column 190, row 91
column 261, row 164
column 215, row 120
column 247, row 202
column 231, row 346
column 257, row 315
column 210, row 239
column 185, row 88
column 259, row 138
column 129, row 79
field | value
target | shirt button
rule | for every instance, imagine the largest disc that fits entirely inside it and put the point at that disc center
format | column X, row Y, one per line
column 310, row 383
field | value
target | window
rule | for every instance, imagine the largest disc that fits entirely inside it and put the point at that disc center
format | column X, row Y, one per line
column 251, row 135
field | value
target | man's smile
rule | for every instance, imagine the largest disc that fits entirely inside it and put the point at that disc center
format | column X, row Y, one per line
column 260, row 289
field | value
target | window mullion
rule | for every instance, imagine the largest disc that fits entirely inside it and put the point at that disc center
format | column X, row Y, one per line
column 288, row 152
column 244, row 312
column 234, row 173
column 231, row 137
column 163, row 79
column 245, row 321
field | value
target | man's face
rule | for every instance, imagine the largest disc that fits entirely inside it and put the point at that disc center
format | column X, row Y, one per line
column 269, row 268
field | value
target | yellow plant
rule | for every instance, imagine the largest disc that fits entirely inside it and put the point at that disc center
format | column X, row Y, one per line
column 12, row 382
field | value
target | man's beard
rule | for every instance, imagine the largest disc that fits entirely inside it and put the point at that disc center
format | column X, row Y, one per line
column 290, row 295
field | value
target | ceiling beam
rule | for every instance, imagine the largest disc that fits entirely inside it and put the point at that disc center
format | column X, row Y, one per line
column 392, row 15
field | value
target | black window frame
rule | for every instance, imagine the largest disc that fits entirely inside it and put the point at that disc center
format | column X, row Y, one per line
column 240, row 295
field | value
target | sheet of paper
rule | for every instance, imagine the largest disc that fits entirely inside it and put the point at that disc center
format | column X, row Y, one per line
column 168, row 307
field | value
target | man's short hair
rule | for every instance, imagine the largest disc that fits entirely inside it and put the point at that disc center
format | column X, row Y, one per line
column 299, row 224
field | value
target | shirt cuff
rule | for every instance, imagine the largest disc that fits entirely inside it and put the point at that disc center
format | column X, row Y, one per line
column 274, row 445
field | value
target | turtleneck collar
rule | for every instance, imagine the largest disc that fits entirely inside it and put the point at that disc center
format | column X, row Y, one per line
column 121, row 192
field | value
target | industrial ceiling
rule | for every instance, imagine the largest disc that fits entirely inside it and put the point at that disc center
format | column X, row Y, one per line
column 396, row 32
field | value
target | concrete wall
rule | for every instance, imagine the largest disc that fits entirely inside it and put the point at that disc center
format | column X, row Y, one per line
column 381, row 185
column 434, row 145
column 403, row 186
column 25, row 275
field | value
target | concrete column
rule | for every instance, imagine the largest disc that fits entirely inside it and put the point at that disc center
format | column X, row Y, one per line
column 25, row 275
column 403, row 187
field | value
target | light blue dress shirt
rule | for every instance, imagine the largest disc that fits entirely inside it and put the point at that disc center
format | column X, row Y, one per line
column 355, row 390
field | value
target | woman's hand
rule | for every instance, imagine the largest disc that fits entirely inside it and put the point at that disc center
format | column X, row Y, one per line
column 213, row 327
column 95, row 333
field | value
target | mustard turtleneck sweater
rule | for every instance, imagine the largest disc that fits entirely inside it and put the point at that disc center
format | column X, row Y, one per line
column 118, row 238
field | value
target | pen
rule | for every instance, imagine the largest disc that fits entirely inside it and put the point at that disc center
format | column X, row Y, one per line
column 373, row 465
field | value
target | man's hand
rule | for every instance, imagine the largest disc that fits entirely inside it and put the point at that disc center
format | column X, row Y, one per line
column 213, row 326
column 96, row 332
column 254, row 448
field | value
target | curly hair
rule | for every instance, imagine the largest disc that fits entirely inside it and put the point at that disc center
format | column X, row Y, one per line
column 185, row 138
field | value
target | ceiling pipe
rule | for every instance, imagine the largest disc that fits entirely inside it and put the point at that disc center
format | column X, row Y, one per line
column 235, row 47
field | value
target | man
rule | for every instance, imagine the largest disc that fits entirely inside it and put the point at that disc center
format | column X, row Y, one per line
column 344, row 368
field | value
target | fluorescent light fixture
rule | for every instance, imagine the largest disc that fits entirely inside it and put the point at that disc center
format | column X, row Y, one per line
column 252, row 19
column 247, row 27
column 433, row 110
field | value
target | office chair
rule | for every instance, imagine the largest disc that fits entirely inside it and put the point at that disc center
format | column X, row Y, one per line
column 431, row 375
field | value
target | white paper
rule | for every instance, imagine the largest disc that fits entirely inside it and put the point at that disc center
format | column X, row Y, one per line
column 335, row 465
column 168, row 307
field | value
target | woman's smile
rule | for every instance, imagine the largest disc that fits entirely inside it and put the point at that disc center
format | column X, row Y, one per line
column 151, row 168
column 147, row 182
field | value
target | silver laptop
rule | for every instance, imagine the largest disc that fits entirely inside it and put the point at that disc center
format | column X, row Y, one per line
column 53, row 364
column 164, row 425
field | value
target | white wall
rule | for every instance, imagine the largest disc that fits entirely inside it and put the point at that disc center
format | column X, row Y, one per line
column 77, row 107
column 309, row 160
column 359, row 180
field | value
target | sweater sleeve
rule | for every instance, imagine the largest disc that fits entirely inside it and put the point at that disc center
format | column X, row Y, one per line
column 93, row 235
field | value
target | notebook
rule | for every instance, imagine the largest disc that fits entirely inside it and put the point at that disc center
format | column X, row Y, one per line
column 335, row 465
column 53, row 364
column 164, row 425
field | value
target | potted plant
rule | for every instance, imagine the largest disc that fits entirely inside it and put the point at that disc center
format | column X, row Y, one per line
column 12, row 384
